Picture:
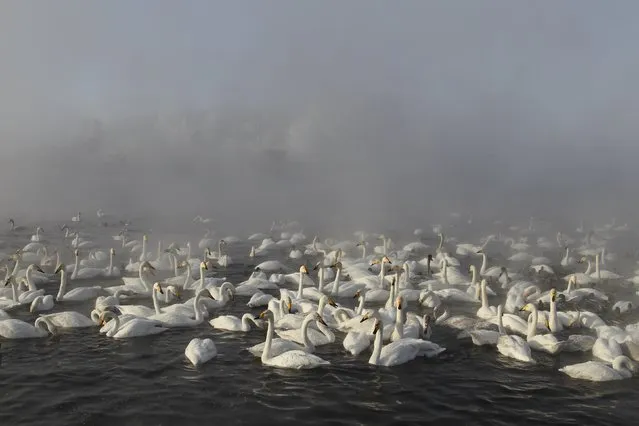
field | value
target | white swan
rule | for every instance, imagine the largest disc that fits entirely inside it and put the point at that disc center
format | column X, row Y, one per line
column 545, row 342
column 200, row 351
column 513, row 346
column 80, row 273
column 17, row 329
column 178, row 319
column 135, row 327
column 77, row 294
column 296, row 359
column 42, row 303
column 400, row 351
column 69, row 319
column 233, row 323
column 600, row 372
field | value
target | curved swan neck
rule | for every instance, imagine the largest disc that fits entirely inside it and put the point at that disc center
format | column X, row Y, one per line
column 116, row 326
column 110, row 263
column 198, row 304
column 482, row 270
column 473, row 272
column 28, row 276
column 589, row 268
column 305, row 339
column 46, row 324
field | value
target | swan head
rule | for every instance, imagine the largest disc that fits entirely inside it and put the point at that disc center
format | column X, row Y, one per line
column 203, row 266
column 378, row 325
column 337, row 265
column 173, row 290
column 10, row 280
column 398, row 302
column 267, row 314
column 11, row 221
column 331, row 302
column 553, row 295
column 319, row 319
column 528, row 307
column 289, row 304
column 157, row 287
column 145, row 237
column 429, row 258
column 365, row 317
column 76, row 252
column 483, row 283
column 480, row 251
column 112, row 252
column 104, row 315
column 146, row 265
column 303, row 270
column 60, row 268
column 358, row 294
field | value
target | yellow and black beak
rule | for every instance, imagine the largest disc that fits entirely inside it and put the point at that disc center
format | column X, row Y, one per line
column 321, row 320
column 364, row 318
column 332, row 302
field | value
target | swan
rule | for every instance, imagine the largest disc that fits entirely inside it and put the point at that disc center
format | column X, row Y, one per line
column 77, row 294
column 141, row 310
column 481, row 337
column 178, row 319
column 318, row 338
column 42, row 303
column 17, row 329
column 513, row 346
column 600, row 372
column 600, row 274
column 135, row 327
column 400, row 351
column 259, row 298
column 543, row 343
column 296, row 359
column 84, row 273
column 200, row 351
column 232, row 323
column 485, row 312
column 69, row 319
column 111, row 271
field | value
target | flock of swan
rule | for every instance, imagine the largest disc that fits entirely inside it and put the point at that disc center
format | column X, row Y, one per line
column 527, row 292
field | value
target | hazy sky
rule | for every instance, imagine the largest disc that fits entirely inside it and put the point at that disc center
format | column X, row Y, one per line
column 393, row 106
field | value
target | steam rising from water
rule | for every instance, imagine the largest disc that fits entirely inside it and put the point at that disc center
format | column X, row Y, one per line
column 359, row 113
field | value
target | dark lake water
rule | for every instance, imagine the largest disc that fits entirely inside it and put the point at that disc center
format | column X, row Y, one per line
column 80, row 377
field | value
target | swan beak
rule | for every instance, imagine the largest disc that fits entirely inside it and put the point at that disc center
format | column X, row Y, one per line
column 399, row 305
column 262, row 314
column 332, row 302
column 39, row 269
column 376, row 329
column 364, row 318
column 321, row 320
column 356, row 295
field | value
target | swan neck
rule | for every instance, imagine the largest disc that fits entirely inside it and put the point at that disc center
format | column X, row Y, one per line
column 63, row 285
column 360, row 305
column 338, row 274
column 320, row 278
column 482, row 270
column 473, row 272
column 532, row 323
column 377, row 347
column 266, row 353
column 156, row 305
column 305, row 339
column 484, row 297
column 300, row 287
column 76, row 267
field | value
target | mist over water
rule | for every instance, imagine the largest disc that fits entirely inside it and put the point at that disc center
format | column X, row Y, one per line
column 341, row 115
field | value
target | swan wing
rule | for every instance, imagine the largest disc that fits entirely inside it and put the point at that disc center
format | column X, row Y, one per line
column 296, row 359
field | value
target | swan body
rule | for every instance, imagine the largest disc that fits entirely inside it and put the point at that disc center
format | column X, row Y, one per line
column 595, row 371
column 232, row 323
column 200, row 351
column 295, row 359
